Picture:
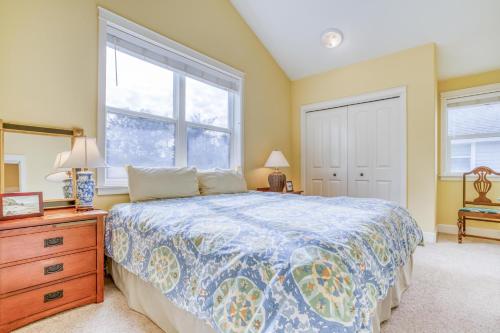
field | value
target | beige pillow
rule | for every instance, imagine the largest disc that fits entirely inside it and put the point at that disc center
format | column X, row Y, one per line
column 220, row 181
column 159, row 183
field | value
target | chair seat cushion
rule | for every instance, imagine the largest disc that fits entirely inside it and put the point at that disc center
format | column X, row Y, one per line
column 480, row 210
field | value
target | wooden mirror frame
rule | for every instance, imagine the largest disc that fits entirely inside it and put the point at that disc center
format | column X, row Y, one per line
column 39, row 130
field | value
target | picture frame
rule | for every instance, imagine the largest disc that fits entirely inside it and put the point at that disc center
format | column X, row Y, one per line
column 20, row 204
column 289, row 186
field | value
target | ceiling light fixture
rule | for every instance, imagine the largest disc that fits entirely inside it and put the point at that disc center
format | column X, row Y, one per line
column 331, row 38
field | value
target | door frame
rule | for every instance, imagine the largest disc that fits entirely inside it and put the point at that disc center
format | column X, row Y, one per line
column 363, row 98
column 20, row 161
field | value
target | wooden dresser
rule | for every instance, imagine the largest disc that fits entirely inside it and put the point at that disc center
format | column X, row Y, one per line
column 49, row 264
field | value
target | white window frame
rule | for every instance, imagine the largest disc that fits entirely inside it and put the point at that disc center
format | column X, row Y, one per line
column 235, row 128
column 455, row 96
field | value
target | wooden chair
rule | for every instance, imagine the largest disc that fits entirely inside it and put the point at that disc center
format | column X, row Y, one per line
column 482, row 186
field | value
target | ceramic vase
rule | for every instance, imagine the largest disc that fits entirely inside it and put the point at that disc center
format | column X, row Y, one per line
column 85, row 186
column 277, row 181
column 68, row 188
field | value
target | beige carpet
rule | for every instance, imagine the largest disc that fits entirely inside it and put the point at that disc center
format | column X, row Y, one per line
column 455, row 288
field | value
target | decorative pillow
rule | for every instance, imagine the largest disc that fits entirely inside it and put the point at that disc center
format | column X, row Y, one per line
column 219, row 181
column 160, row 183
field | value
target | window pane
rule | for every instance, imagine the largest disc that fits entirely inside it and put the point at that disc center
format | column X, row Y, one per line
column 139, row 85
column 460, row 165
column 488, row 154
column 139, row 142
column 207, row 149
column 206, row 104
column 479, row 119
column 460, row 149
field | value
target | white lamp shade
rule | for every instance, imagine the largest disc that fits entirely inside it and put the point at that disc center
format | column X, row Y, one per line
column 276, row 160
column 84, row 154
column 60, row 159
column 58, row 173
column 58, row 176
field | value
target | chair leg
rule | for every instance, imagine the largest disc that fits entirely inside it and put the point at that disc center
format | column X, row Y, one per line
column 461, row 228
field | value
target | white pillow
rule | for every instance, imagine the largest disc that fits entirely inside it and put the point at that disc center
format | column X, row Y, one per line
column 220, row 181
column 159, row 183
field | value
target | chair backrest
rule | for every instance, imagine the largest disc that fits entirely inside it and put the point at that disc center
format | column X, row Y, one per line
column 482, row 186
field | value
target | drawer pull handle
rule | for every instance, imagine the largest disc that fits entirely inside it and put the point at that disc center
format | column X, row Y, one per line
column 56, row 241
column 53, row 269
column 53, row 296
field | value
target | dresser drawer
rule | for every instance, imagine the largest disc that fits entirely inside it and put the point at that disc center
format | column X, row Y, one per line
column 26, row 304
column 42, row 271
column 38, row 244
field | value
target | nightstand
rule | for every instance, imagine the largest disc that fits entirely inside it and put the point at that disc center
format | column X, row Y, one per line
column 50, row 264
column 266, row 189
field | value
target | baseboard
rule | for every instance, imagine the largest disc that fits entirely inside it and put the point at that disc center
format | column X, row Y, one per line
column 453, row 230
column 429, row 237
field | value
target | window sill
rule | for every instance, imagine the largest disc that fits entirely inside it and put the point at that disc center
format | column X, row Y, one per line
column 112, row 190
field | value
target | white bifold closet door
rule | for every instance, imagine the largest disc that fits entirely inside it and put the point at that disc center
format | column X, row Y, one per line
column 326, row 160
column 375, row 150
column 356, row 150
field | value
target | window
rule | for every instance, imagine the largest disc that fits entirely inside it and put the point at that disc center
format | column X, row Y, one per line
column 470, row 130
column 208, row 115
column 162, row 104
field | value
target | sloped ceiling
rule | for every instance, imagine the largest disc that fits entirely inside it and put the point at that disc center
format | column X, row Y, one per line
column 467, row 32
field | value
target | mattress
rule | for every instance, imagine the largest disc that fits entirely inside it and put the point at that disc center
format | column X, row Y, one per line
column 265, row 262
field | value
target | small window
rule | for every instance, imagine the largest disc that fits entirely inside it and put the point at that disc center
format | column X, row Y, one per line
column 160, row 107
column 470, row 131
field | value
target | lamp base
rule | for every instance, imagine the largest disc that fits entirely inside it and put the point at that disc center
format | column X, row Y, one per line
column 68, row 188
column 277, row 181
column 85, row 191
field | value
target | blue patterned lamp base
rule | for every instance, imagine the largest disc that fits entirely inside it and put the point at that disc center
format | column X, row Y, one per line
column 68, row 188
column 85, row 190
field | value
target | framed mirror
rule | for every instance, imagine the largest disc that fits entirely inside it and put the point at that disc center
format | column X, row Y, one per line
column 31, row 159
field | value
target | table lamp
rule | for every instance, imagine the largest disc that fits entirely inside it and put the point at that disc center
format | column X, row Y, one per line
column 84, row 155
column 277, row 179
column 60, row 174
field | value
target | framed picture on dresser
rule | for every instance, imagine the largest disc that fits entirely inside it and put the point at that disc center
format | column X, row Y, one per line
column 20, row 204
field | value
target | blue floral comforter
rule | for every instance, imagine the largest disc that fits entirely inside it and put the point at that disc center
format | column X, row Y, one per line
column 264, row 262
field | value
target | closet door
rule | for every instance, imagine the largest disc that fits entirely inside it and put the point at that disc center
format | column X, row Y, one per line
column 326, row 152
column 375, row 150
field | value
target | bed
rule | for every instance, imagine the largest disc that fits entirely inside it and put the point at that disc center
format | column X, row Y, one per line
column 262, row 262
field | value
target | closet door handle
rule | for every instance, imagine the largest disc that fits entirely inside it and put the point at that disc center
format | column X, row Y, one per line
column 334, row 175
column 361, row 174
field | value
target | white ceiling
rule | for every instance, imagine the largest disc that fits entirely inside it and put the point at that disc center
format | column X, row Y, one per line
column 467, row 32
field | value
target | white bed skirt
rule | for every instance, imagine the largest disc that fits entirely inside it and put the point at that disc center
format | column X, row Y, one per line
column 148, row 300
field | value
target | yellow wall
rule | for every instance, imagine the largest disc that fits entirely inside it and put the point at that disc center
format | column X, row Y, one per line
column 414, row 68
column 450, row 191
column 48, row 65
